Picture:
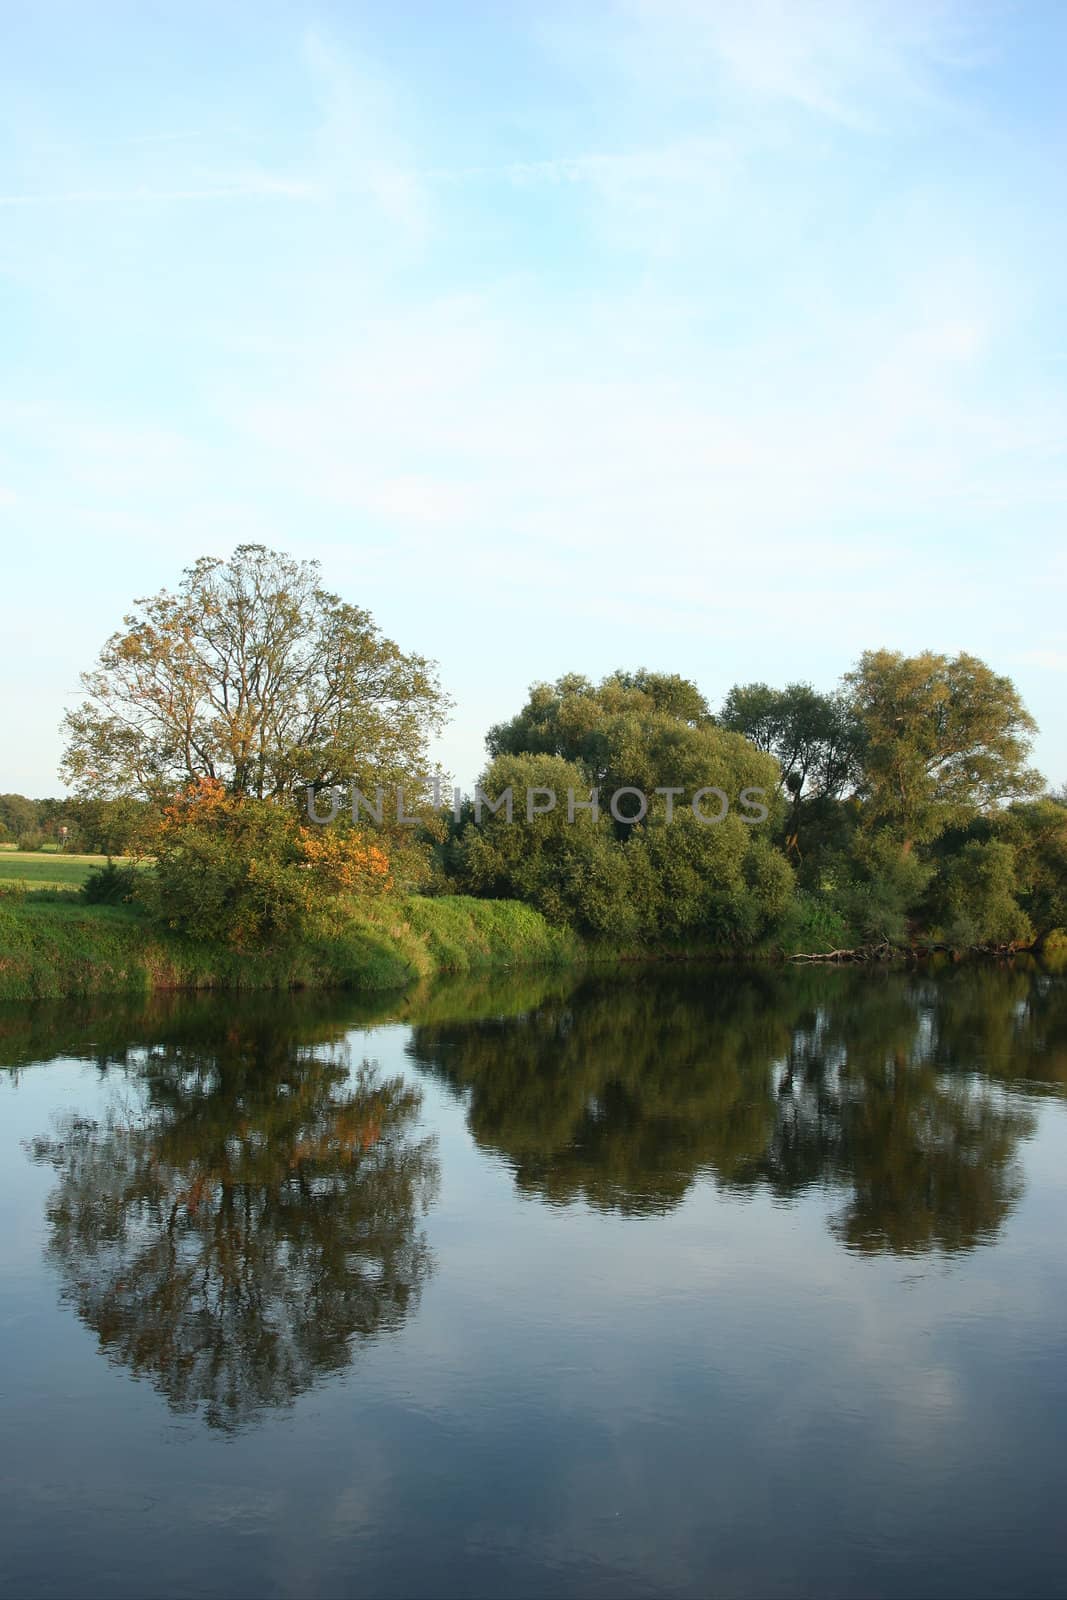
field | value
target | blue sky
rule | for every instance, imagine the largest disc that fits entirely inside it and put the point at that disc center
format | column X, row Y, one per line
column 728, row 339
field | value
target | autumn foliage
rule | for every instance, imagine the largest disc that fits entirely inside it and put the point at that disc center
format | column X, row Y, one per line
column 347, row 860
column 233, row 868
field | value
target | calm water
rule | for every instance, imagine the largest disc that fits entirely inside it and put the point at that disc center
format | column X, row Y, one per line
column 678, row 1283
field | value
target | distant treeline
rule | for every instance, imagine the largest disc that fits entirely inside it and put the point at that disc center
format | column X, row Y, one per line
column 112, row 827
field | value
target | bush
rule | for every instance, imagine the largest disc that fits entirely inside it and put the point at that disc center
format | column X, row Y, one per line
column 877, row 889
column 33, row 839
column 244, row 872
column 975, row 896
column 813, row 926
column 111, row 885
column 230, row 869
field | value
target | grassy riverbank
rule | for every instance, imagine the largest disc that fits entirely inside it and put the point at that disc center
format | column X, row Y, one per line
column 52, row 947
column 52, row 950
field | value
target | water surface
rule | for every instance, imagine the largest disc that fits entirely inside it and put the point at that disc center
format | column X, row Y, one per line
column 670, row 1283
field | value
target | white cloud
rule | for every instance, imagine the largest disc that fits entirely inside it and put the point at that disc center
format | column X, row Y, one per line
column 866, row 65
column 681, row 374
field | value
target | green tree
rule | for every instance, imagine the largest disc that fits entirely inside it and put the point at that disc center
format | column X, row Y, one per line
column 1038, row 832
column 812, row 737
column 19, row 816
column 255, row 675
column 576, row 873
column 975, row 896
column 640, row 729
column 941, row 740
column 674, row 876
column 111, row 827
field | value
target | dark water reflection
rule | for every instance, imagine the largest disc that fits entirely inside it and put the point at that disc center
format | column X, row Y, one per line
column 624, row 1097
column 445, row 1211
column 246, row 1214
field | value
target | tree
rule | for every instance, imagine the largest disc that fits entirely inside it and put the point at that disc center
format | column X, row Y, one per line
column 641, row 730
column 975, row 896
column 19, row 816
column 941, row 740
column 664, row 875
column 256, row 676
column 116, row 827
column 810, row 735
column 1038, row 832
column 610, row 727
column 574, row 873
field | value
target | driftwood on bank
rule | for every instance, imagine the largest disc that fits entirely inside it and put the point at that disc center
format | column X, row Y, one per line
column 885, row 951
column 863, row 952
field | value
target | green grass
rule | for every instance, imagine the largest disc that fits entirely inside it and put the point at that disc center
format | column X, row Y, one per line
column 39, row 871
column 61, row 948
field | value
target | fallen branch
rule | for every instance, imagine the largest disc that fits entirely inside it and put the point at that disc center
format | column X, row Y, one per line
column 885, row 951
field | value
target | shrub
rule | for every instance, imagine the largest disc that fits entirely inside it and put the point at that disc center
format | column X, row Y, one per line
column 878, row 888
column 813, row 925
column 230, row 868
column 975, row 895
column 111, row 885
column 243, row 871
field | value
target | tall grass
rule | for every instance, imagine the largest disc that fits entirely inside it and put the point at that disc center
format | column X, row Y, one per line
column 51, row 948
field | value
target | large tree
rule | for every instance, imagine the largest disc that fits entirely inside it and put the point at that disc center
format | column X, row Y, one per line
column 1038, row 831
column 255, row 675
column 942, row 739
column 662, row 875
column 811, row 736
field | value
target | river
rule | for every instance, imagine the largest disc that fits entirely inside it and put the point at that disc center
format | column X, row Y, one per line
column 674, row 1281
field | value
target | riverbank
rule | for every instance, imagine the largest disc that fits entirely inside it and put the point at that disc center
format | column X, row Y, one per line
column 56, row 950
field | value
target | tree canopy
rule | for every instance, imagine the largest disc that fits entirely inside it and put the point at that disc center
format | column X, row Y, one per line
column 665, row 874
column 941, row 738
column 810, row 735
column 254, row 675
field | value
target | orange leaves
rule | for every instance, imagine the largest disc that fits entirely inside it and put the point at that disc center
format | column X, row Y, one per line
column 348, row 861
column 234, row 868
column 203, row 799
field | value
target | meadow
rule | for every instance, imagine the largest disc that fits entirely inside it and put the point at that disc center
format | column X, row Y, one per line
column 40, row 870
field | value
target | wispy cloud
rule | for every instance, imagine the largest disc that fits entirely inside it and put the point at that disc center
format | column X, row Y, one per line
column 260, row 186
column 866, row 65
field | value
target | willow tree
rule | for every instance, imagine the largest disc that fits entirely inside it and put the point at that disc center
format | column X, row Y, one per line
column 254, row 675
column 941, row 740
column 628, row 872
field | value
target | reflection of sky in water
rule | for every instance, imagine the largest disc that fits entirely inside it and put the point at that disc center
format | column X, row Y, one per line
column 584, row 1402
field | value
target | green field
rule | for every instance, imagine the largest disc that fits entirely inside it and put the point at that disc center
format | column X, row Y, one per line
column 39, row 871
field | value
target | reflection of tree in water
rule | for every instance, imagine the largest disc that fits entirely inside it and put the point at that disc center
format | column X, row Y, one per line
column 927, row 1158
column 617, row 1093
column 622, row 1094
column 249, row 1213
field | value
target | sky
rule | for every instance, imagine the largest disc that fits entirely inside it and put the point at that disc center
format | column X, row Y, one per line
column 722, row 339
